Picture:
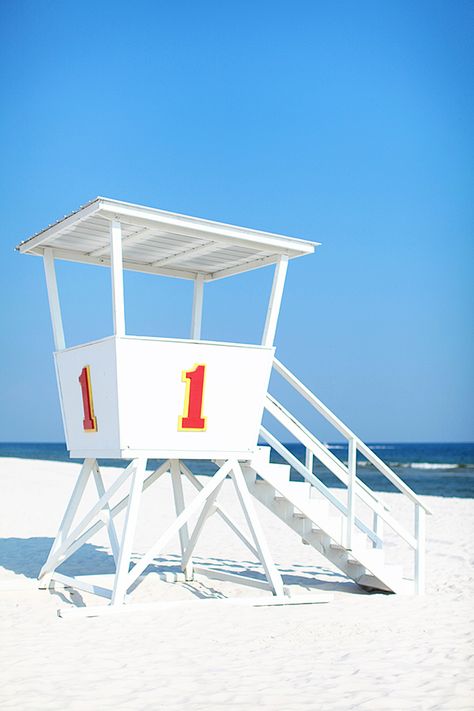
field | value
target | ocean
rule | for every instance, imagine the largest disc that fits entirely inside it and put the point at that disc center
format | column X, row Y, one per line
column 436, row 469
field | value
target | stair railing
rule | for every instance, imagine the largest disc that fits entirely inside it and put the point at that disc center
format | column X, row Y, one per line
column 348, row 475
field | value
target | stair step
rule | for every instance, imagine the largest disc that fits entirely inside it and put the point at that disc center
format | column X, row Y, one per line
column 318, row 524
column 261, row 456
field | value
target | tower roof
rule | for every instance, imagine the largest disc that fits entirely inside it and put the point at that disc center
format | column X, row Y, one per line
column 161, row 242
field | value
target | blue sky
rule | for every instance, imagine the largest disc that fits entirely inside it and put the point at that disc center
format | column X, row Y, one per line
column 342, row 122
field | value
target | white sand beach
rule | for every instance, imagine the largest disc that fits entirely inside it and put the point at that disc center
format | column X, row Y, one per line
column 360, row 651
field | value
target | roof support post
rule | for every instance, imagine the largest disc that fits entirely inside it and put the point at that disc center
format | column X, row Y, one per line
column 275, row 301
column 196, row 319
column 117, row 278
column 53, row 298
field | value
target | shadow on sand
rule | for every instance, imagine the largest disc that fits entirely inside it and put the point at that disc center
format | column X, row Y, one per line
column 25, row 556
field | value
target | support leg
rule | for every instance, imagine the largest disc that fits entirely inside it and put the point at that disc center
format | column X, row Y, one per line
column 68, row 518
column 183, row 517
column 273, row 576
column 186, row 566
column 109, row 519
column 204, row 515
column 130, row 524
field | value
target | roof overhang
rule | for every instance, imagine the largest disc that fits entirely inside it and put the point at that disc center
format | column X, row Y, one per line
column 160, row 242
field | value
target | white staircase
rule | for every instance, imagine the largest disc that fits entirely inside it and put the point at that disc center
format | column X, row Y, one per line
column 329, row 523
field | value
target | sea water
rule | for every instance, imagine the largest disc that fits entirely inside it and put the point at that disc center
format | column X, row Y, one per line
column 437, row 469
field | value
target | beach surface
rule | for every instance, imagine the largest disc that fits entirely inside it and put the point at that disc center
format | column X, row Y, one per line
column 360, row 651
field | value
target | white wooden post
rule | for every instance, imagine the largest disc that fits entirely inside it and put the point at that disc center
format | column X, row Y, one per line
column 420, row 535
column 128, row 534
column 108, row 518
column 275, row 301
column 179, row 506
column 308, row 460
column 117, row 278
column 271, row 572
column 352, row 467
column 208, row 508
column 196, row 319
column 378, row 530
column 68, row 517
column 53, row 298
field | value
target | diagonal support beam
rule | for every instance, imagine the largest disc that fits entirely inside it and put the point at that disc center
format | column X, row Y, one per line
column 264, row 555
column 219, row 510
column 118, row 508
column 203, row 516
column 183, row 518
column 99, row 484
column 68, row 517
column 65, row 550
column 179, row 506
column 128, row 535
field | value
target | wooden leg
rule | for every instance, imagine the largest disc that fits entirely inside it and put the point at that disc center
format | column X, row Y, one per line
column 273, row 576
column 68, row 518
column 219, row 510
column 183, row 517
column 109, row 519
column 179, row 506
column 204, row 515
column 129, row 527
column 81, row 533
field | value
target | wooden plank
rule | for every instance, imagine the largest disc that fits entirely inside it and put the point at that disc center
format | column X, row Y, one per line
column 117, row 278
column 179, row 507
column 232, row 577
column 128, row 535
column 275, row 301
column 150, row 607
column 83, row 585
column 220, row 511
column 178, row 522
column 196, row 320
column 71, row 510
column 53, row 298
column 259, row 539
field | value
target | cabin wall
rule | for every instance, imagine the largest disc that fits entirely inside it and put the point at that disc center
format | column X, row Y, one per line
column 146, row 406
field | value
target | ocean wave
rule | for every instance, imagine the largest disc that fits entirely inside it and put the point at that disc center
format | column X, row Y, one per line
column 433, row 465
column 417, row 465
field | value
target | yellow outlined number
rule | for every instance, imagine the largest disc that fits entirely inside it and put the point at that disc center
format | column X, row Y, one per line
column 89, row 422
column 192, row 420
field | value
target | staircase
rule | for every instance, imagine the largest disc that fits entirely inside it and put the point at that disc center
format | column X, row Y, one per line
column 323, row 520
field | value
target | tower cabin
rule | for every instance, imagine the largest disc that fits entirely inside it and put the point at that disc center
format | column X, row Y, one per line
column 140, row 398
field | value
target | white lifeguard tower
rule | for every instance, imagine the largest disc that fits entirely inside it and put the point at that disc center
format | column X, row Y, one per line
column 140, row 398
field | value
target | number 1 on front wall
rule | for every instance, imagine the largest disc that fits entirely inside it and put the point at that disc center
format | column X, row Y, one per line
column 192, row 420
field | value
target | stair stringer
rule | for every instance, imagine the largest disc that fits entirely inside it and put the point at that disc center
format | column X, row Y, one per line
column 364, row 565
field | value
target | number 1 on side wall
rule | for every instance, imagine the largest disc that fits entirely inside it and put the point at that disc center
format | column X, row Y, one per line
column 89, row 422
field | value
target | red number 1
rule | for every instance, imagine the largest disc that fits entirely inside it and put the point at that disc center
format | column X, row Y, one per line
column 89, row 422
column 192, row 420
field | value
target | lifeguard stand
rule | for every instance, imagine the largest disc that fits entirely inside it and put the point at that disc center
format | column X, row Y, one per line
column 139, row 398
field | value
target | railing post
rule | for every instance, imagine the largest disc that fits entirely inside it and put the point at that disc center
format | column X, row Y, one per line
column 420, row 520
column 352, row 467
column 308, row 460
column 378, row 530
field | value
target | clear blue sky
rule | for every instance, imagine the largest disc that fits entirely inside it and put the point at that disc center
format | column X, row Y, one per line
column 349, row 123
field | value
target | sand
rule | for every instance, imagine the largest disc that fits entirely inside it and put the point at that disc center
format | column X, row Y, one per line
column 360, row 651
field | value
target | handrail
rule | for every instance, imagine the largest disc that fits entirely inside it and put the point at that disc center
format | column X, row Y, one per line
column 348, row 434
column 319, row 450
column 314, row 481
